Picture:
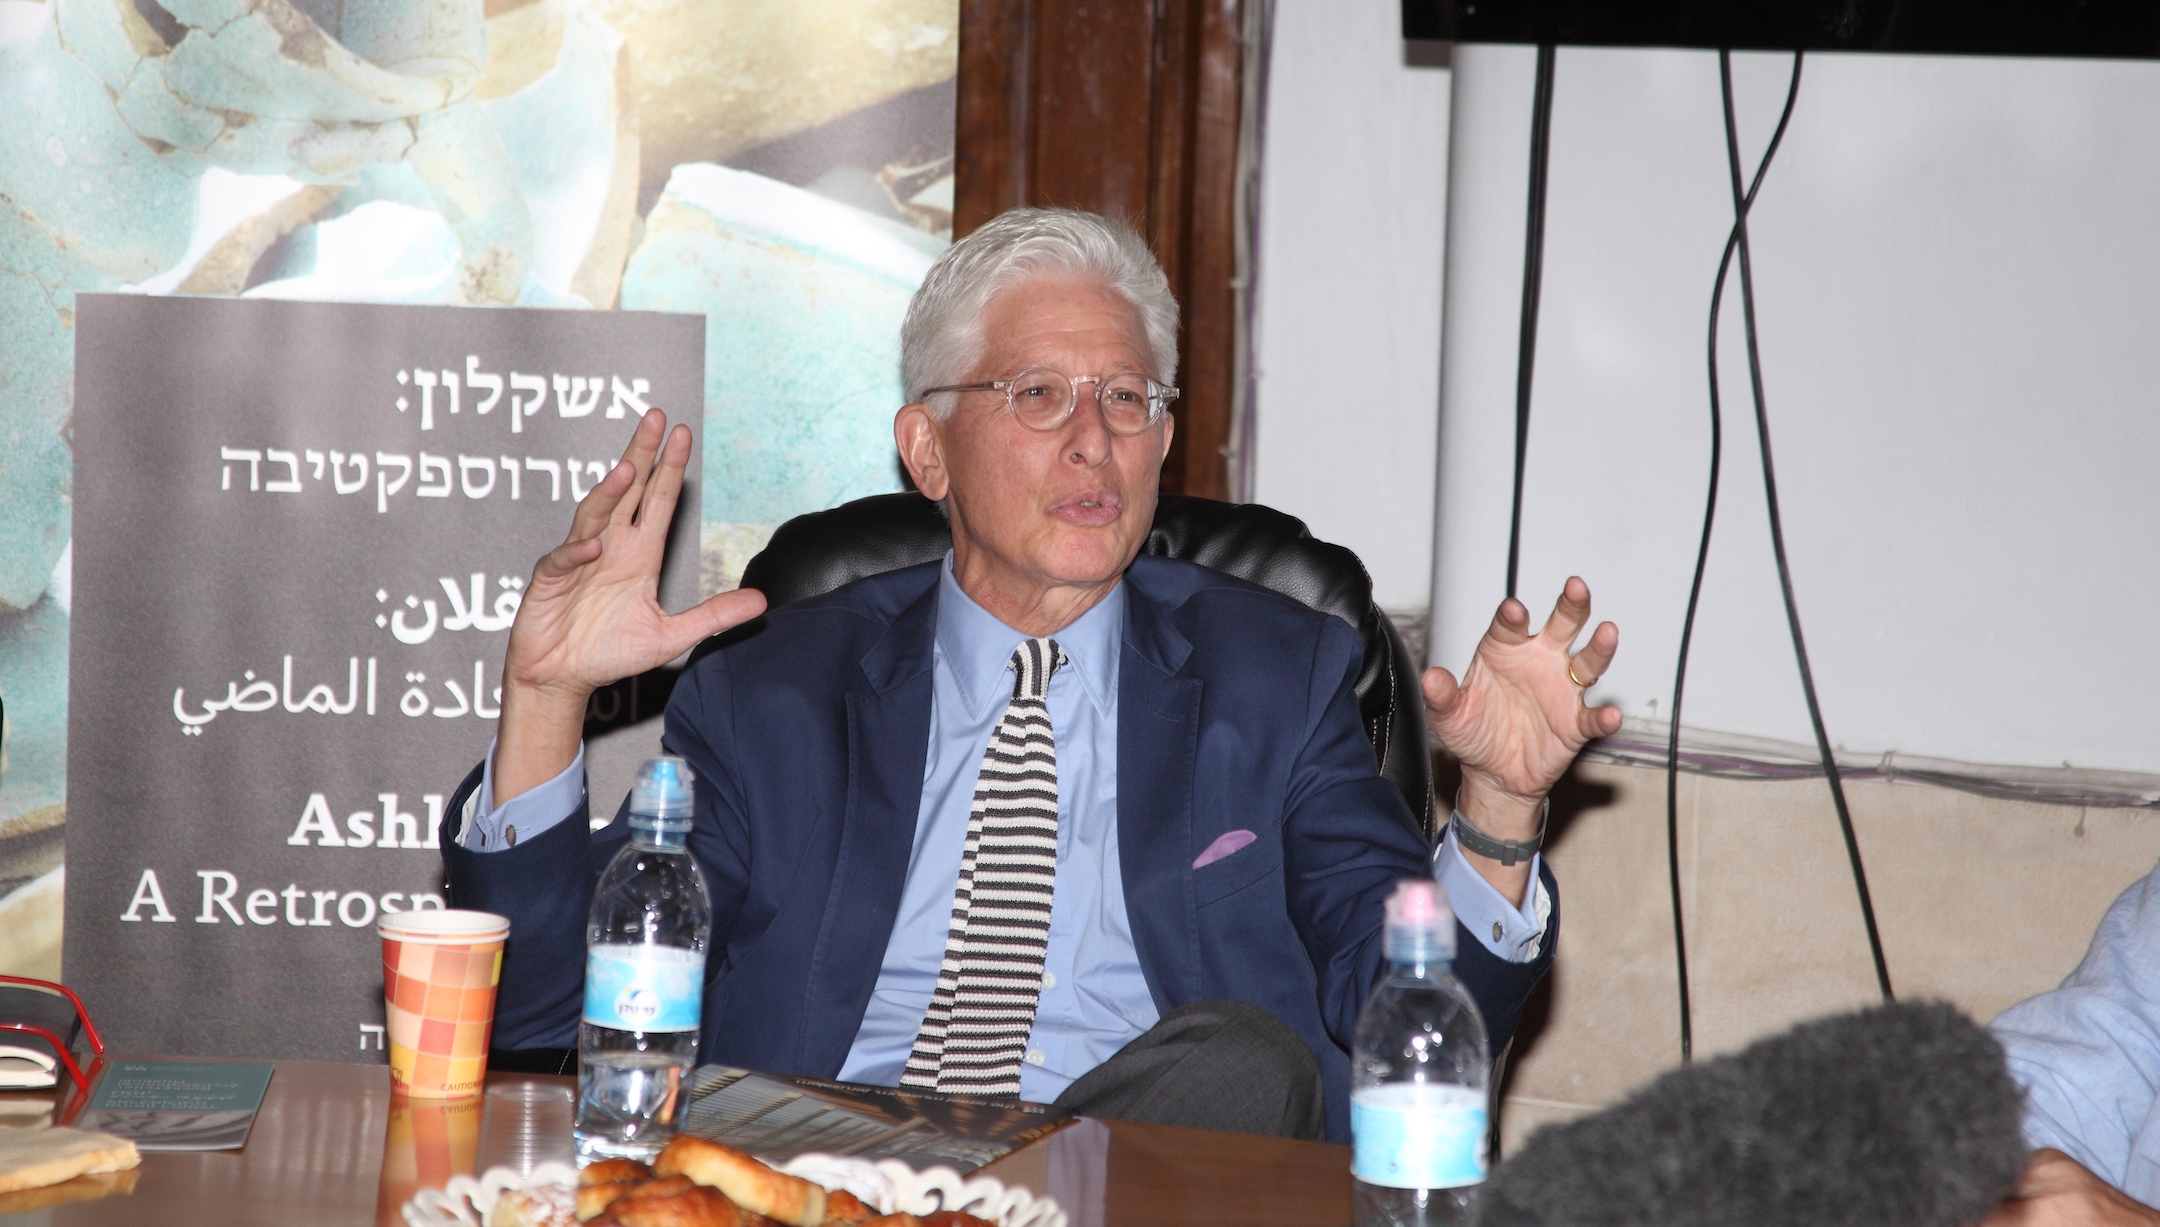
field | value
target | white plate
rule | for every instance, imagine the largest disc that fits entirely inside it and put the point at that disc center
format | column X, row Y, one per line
column 888, row 1186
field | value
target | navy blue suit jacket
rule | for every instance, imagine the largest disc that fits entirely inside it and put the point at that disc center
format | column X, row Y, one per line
column 1235, row 710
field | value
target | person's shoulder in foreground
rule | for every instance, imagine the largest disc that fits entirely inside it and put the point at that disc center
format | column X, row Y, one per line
column 2088, row 1055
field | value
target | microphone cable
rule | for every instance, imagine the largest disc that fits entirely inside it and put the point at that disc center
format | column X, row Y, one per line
column 1736, row 241
column 1777, row 534
column 1532, row 280
column 1702, row 560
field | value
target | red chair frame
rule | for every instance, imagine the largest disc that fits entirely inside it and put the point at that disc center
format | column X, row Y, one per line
column 81, row 1083
column 97, row 1042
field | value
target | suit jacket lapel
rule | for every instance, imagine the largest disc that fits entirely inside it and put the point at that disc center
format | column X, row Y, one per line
column 888, row 716
column 1157, row 739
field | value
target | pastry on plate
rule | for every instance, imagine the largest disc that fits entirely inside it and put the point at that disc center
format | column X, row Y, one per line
column 743, row 1180
column 692, row 1206
column 539, row 1205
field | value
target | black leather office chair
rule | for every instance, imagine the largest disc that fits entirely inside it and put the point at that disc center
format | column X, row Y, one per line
column 816, row 553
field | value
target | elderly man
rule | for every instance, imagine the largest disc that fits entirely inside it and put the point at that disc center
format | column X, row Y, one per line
column 1204, row 815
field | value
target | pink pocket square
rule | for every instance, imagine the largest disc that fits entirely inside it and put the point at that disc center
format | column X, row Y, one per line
column 1225, row 844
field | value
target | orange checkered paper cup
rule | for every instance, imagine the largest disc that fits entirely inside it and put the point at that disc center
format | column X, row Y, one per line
column 440, row 969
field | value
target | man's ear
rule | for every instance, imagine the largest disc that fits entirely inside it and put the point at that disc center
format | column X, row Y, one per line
column 915, row 433
column 1169, row 429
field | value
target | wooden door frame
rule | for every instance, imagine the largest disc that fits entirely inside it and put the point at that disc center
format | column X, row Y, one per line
column 1037, row 124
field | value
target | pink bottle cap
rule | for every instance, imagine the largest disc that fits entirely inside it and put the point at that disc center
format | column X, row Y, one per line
column 1420, row 924
column 1418, row 903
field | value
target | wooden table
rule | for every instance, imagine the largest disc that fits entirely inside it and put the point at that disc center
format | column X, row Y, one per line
column 316, row 1157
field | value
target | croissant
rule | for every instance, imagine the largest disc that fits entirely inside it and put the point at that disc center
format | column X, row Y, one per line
column 694, row 1206
column 611, row 1171
column 842, row 1206
column 593, row 1198
column 744, row 1181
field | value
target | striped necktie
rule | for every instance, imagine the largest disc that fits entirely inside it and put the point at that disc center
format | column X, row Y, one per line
column 983, row 1011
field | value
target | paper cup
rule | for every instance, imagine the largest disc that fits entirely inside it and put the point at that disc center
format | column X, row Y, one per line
column 440, row 969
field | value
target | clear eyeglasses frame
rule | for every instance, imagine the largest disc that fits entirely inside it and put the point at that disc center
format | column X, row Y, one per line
column 1043, row 399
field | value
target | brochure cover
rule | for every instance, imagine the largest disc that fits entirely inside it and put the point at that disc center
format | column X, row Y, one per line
column 777, row 1116
column 178, row 1105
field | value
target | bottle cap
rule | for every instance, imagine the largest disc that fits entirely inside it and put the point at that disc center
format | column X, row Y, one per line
column 663, row 791
column 1420, row 924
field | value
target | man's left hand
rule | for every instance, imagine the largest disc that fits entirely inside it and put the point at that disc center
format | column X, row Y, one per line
column 1517, row 719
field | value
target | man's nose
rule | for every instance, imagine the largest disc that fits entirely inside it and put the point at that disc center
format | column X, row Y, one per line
column 1087, row 433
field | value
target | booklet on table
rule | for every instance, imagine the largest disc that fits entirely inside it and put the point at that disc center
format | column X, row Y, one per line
column 178, row 1105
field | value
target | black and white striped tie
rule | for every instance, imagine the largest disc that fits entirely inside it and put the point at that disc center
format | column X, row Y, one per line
column 983, row 1011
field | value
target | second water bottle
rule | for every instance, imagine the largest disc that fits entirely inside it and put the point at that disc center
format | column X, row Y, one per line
column 1419, row 1073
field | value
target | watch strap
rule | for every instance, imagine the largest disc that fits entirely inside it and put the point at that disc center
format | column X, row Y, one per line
column 1505, row 851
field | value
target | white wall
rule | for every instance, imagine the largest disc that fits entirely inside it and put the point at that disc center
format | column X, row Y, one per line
column 1959, row 282
column 1352, row 206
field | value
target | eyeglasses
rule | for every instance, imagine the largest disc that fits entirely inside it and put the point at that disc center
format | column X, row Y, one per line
column 1044, row 399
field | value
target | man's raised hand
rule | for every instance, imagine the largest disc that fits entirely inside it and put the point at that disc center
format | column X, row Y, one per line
column 1516, row 719
column 592, row 615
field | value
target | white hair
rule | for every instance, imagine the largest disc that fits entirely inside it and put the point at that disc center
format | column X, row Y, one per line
column 942, row 340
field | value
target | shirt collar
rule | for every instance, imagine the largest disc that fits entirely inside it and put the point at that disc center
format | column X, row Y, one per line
column 978, row 647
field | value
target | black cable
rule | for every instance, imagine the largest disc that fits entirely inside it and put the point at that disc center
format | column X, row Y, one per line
column 1777, row 539
column 1532, row 277
column 1702, row 559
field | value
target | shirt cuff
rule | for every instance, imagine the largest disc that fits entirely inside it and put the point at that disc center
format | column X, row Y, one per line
column 488, row 829
column 1516, row 934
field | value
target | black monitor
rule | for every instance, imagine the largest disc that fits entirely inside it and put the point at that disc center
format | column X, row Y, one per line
column 2118, row 29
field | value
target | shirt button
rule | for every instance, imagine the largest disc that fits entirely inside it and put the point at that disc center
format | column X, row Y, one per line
column 510, row 838
column 1495, row 924
column 1035, row 1056
column 1049, row 979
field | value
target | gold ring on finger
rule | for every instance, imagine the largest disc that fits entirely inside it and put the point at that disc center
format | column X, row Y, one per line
column 1578, row 681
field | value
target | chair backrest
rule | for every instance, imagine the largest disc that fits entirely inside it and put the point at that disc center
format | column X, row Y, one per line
column 813, row 554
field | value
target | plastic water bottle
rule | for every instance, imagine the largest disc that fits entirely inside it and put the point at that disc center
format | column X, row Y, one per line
column 1419, row 1072
column 644, row 975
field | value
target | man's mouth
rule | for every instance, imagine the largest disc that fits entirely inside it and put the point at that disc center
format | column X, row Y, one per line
column 1089, row 508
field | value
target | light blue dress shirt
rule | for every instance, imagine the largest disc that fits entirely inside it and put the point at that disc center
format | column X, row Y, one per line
column 1094, row 998
column 484, row 828
column 1515, row 933
column 2088, row 1053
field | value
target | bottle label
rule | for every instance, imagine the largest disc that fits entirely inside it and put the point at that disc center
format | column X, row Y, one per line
column 1418, row 1135
column 644, row 988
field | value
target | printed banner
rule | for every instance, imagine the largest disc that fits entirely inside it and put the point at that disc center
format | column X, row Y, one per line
column 781, row 169
column 301, row 533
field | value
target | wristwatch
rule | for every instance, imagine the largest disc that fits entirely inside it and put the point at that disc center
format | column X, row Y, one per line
column 1505, row 851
